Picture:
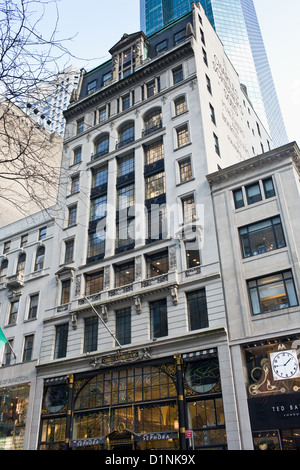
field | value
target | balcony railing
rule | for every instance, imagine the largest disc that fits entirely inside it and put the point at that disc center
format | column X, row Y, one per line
column 152, row 127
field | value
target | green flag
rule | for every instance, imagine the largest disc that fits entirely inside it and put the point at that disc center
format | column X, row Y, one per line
column 3, row 339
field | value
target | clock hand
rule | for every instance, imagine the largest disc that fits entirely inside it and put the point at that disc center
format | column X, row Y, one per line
column 287, row 362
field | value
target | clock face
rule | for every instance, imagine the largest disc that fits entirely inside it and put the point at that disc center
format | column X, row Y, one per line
column 285, row 365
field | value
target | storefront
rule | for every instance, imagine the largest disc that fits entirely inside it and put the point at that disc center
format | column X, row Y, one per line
column 13, row 413
column 133, row 404
column 274, row 393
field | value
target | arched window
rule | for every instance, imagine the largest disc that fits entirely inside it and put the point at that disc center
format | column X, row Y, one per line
column 40, row 257
column 152, row 121
column 102, row 146
column 126, row 134
column 3, row 270
column 21, row 264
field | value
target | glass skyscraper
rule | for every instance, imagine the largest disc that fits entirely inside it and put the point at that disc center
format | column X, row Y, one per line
column 236, row 23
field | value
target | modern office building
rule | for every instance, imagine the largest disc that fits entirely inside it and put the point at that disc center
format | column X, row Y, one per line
column 236, row 23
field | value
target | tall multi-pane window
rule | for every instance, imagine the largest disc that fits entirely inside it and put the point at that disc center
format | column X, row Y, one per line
column 96, row 244
column 69, row 250
column 65, row 291
column 100, row 177
column 80, row 126
column 102, row 146
column 72, row 215
column 197, row 309
column 152, row 122
column 180, row 105
column 189, row 209
column 125, row 197
column 182, row 135
column 90, row 334
column 13, row 312
column 177, row 74
column 21, row 264
column 40, row 258
column 154, row 152
column 155, row 185
column 3, row 270
column 77, row 155
column 8, row 353
column 185, row 170
column 74, row 184
column 98, row 207
column 33, row 306
column 28, row 348
column 158, row 318
column 123, row 326
column 93, row 283
column 61, row 341
column 126, row 134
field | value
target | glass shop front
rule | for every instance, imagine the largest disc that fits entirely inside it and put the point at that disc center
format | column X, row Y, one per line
column 13, row 414
column 274, row 393
column 144, row 405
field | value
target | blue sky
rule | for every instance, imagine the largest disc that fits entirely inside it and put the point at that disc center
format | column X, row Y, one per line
column 98, row 24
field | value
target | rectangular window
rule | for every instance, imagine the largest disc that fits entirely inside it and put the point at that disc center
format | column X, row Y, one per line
column 159, row 318
column 204, row 55
column 96, row 246
column 72, row 215
column 177, row 75
column 106, row 78
column 100, row 176
column 69, row 251
column 80, row 126
column 154, row 152
column 217, row 146
column 61, row 341
column 102, row 114
column 65, row 292
column 93, row 283
column 125, row 233
column 6, row 247
column 253, row 193
column 24, row 240
column 262, row 237
column 125, row 102
column 90, row 334
column 91, row 87
column 8, row 353
column 157, row 222
column 192, row 254
column 125, row 197
column 98, row 207
column 182, row 136
column 126, row 165
column 157, row 264
column 74, row 184
column 155, row 185
column 269, row 188
column 33, row 306
column 238, row 198
column 180, row 106
column 77, row 155
column 212, row 113
column 189, row 209
column 208, row 84
column 14, row 307
column 124, row 274
column 28, row 348
column 272, row 293
column 151, row 89
column 197, row 309
column 161, row 47
column 179, row 37
column 185, row 170
column 42, row 233
column 123, row 325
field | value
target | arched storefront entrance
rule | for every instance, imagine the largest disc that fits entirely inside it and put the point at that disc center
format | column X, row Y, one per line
column 142, row 406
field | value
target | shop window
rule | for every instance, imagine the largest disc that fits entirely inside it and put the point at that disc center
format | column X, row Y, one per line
column 61, row 341
column 197, row 309
column 13, row 411
column 90, row 334
column 53, row 434
column 206, row 418
column 262, row 237
column 272, row 293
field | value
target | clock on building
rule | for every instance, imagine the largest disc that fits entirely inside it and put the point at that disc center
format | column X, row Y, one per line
column 285, row 364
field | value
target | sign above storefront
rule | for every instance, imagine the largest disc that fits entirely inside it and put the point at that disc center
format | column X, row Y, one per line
column 151, row 436
column 275, row 412
column 121, row 358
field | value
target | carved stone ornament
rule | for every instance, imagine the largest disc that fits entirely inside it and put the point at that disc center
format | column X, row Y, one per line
column 174, row 294
column 138, row 304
